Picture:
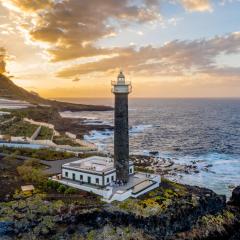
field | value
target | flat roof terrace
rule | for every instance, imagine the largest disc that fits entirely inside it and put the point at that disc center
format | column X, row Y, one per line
column 92, row 164
column 137, row 182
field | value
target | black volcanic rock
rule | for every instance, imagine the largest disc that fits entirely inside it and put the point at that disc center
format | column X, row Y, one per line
column 235, row 199
column 198, row 214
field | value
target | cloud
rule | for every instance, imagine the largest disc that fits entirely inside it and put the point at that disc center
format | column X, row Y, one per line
column 225, row 72
column 76, row 79
column 172, row 59
column 2, row 60
column 28, row 6
column 197, row 5
column 72, row 28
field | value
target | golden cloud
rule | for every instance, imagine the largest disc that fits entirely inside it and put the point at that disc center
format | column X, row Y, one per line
column 72, row 27
column 30, row 6
column 172, row 59
column 197, row 5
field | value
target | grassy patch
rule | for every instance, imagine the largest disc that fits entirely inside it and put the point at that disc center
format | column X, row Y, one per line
column 45, row 134
column 64, row 140
column 157, row 201
column 18, row 128
column 217, row 220
column 43, row 154
column 143, row 169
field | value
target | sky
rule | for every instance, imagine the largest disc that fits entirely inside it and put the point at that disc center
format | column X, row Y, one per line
column 167, row 48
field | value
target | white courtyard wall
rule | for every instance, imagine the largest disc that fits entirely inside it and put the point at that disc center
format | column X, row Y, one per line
column 121, row 196
column 105, row 193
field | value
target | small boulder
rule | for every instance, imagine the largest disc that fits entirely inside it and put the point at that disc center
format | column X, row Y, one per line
column 154, row 153
column 235, row 199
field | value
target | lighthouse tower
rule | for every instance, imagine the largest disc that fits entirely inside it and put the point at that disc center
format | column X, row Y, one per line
column 121, row 89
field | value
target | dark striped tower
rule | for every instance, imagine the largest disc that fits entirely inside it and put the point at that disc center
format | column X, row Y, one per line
column 121, row 89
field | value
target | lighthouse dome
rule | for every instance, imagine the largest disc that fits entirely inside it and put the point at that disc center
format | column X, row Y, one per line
column 121, row 77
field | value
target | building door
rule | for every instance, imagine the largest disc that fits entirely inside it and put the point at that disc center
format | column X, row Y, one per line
column 89, row 179
column 73, row 176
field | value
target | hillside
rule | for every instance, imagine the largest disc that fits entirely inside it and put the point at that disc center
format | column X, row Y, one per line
column 9, row 90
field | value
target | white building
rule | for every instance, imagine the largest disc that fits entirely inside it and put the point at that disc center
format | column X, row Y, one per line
column 98, row 175
column 94, row 170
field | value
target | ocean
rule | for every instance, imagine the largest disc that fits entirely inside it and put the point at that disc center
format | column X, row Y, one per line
column 204, row 131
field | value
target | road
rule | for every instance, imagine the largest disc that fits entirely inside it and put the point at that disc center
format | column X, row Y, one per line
column 55, row 167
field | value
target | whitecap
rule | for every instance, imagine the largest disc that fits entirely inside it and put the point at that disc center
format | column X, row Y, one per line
column 139, row 128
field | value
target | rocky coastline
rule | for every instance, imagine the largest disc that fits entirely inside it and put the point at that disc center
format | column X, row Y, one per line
column 194, row 213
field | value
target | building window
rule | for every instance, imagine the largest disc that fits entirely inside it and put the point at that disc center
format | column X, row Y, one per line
column 73, row 176
column 112, row 178
column 89, row 179
column 108, row 180
column 130, row 170
column 81, row 177
column 97, row 180
column 66, row 174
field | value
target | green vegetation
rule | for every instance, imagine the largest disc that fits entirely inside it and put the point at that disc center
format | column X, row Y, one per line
column 156, row 201
column 53, row 186
column 42, row 154
column 35, row 217
column 28, row 210
column 64, row 140
column 42, row 114
column 17, row 128
column 31, row 172
column 5, row 117
column 45, row 134
column 143, row 169
column 217, row 220
column 214, row 223
column 9, row 162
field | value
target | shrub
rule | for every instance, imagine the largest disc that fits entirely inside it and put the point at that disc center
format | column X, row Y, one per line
column 53, row 184
column 30, row 174
column 70, row 190
column 61, row 189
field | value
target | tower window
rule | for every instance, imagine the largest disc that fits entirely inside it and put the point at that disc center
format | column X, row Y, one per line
column 97, row 180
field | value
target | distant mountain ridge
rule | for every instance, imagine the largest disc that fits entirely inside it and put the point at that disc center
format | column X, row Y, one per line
column 9, row 90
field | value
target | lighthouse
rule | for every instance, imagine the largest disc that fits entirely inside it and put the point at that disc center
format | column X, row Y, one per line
column 121, row 88
column 113, row 179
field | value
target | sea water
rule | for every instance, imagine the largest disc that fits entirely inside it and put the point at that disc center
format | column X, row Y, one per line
column 204, row 131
